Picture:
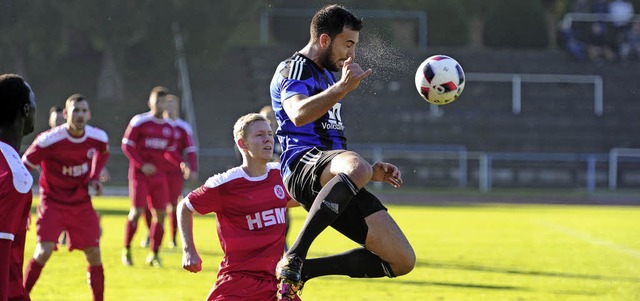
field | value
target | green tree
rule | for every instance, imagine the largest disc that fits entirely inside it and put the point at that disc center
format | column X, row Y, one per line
column 111, row 27
column 31, row 36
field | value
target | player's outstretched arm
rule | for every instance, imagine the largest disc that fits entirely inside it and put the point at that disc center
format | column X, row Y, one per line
column 387, row 172
column 190, row 259
column 302, row 109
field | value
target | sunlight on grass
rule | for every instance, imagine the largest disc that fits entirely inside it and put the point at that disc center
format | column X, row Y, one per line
column 480, row 252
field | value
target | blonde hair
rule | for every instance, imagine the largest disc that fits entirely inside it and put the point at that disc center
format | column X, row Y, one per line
column 239, row 129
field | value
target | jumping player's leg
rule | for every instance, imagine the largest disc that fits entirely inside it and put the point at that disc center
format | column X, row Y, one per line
column 366, row 222
column 340, row 180
column 386, row 240
column 342, row 174
column 387, row 253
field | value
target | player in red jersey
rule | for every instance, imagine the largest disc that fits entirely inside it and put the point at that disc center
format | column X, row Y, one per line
column 56, row 116
column 71, row 157
column 178, row 170
column 185, row 146
column 147, row 142
column 17, row 113
column 250, row 204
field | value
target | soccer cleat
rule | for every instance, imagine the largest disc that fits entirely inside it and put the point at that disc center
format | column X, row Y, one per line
column 172, row 244
column 145, row 242
column 126, row 257
column 154, row 260
column 288, row 291
column 289, row 276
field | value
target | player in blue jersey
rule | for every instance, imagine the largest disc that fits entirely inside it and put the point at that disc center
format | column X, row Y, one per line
column 319, row 171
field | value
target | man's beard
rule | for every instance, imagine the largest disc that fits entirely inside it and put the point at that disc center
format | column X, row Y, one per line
column 326, row 62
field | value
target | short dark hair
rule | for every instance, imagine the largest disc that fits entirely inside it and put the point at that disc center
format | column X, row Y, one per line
column 159, row 91
column 14, row 93
column 57, row 109
column 332, row 19
column 74, row 98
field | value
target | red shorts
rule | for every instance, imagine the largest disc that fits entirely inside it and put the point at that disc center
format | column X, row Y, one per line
column 80, row 221
column 175, row 187
column 149, row 191
column 240, row 287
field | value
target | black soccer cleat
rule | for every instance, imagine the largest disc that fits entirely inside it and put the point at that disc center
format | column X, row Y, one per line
column 289, row 275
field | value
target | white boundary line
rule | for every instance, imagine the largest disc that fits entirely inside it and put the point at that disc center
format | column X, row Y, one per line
column 591, row 239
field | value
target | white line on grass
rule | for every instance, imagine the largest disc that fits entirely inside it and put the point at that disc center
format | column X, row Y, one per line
column 590, row 239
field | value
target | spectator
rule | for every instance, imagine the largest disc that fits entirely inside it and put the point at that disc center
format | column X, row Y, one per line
column 621, row 14
column 630, row 46
column 598, row 47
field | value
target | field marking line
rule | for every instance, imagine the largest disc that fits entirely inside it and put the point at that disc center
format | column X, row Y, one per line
column 591, row 239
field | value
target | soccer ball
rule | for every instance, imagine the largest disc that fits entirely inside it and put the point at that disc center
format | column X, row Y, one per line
column 440, row 79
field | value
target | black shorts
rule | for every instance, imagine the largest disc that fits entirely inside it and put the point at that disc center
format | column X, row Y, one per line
column 303, row 184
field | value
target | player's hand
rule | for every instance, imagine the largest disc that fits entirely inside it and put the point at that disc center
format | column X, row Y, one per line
column 148, row 169
column 193, row 177
column 386, row 172
column 353, row 74
column 191, row 261
column 186, row 171
column 97, row 186
column 105, row 176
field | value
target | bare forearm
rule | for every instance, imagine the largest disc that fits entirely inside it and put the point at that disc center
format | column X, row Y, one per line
column 303, row 110
column 185, row 224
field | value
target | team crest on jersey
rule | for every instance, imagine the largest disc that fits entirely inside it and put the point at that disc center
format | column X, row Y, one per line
column 91, row 152
column 166, row 131
column 279, row 191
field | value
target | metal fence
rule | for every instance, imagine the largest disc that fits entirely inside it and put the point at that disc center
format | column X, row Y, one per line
column 426, row 165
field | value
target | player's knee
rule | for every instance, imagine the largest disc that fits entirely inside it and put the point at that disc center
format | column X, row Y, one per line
column 405, row 263
column 43, row 251
column 135, row 212
column 93, row 256
column 358, row 169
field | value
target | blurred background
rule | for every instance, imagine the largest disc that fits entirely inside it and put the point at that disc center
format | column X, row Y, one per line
column 551, row 99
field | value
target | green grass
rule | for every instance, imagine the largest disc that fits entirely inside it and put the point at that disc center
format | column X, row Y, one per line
column 475, row 252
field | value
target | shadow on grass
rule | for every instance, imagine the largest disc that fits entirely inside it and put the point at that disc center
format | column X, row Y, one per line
column 435, row 265
column 463, row 285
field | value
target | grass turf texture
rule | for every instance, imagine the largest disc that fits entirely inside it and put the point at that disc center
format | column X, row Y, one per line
column 464, row 252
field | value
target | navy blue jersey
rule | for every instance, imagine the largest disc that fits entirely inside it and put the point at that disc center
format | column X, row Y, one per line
column 300, row 75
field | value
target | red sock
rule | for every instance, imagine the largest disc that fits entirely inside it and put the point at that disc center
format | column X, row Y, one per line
column 174, row 224
column 96, row 281
column 157, row 232
column 33, row 271
column 129, row 232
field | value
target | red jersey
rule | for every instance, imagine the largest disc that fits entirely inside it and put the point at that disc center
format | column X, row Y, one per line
column 67, row 162
column 146, row 140
column 15, row 193
column 250, row 215
column 15, row 205
column 185, row 144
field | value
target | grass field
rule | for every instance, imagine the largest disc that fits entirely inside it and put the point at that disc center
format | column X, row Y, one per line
column 465, row 252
